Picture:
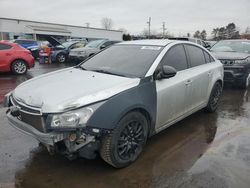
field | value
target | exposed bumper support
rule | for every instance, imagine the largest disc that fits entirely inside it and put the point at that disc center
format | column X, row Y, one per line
column 46, row 138
column 51, row 138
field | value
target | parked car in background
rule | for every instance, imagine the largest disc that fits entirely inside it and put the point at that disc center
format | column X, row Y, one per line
column 210, row 43
column 235, row 56
column 90, row 49
column 83, row 40
column 195, row 40
column 116, row 99
column 14, row 58
column 29, row 44
column 60, row 51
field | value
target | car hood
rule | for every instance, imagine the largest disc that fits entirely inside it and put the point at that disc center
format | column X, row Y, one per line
column 53, row 41
column 70, row 88
column 230, row 55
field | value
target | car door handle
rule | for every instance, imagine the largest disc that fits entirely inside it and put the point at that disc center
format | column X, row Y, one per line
column 8, row 54
column 188, row 82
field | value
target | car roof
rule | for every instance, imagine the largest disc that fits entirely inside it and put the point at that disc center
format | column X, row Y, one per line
column 7, row 42
column 25, row 40
column 151, row 42
column 238, row 40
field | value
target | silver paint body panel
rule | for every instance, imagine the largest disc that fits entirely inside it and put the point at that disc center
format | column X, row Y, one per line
column 70, row 88
column 185, row 93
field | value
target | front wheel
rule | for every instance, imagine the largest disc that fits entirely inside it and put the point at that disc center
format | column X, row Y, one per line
column 124, row 144
column 19, row 67
column 214, row 97
column 61, row 58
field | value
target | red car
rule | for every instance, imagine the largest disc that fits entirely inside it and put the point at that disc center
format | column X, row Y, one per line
column 14, row 58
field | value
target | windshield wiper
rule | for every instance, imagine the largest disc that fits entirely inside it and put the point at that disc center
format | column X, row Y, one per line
column 107, row 72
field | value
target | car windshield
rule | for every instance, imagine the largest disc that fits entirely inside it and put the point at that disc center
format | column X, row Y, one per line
column 232, row 46
column 94, row 44
column 67, row 44
column 123, row 60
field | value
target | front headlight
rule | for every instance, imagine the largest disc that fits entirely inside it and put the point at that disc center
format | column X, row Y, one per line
column 74, row 119
column 243, row 61
column 82, row 53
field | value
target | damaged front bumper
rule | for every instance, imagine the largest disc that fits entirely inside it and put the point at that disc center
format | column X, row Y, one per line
column 85, row 144
column 45, row 138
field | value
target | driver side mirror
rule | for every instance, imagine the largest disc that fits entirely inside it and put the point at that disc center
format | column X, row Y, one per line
column 102, row 47
column 166, row 72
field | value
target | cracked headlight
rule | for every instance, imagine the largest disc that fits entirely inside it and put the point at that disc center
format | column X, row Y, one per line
column 243, row 61
column 74, row 119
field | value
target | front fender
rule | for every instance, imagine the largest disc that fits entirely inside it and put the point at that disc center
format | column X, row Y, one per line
column 141, row 97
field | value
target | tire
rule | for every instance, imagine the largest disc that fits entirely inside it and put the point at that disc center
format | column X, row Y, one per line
column 124, row 144
column 19, row 67
column 244, row 83
column 214, row 98
column 61, row 58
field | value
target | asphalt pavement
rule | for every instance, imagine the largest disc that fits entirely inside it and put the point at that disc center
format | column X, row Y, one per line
column 203, row 150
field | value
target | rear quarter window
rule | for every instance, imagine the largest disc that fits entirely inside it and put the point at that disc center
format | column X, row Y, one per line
column 5, row 47
column 208, row 57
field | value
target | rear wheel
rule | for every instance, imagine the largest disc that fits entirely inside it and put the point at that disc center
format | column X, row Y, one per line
column 125, row 143
column 19, row 67
column 245, row 83
column 214, row 97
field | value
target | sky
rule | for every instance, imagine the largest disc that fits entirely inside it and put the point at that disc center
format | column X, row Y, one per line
column 180, row 16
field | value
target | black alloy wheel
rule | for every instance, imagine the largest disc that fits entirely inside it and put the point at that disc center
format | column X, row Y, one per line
column 131, row 140
column 214, row 97
column 125, row 143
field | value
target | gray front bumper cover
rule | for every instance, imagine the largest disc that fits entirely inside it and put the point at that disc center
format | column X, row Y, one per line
column 46, row 138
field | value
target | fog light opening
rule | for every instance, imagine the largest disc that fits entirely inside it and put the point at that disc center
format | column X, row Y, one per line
column 81, row 140
column 72, row 137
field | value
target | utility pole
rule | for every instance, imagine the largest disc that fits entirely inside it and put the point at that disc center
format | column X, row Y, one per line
column 87, row 24
column 163, row 29
column 149, row 25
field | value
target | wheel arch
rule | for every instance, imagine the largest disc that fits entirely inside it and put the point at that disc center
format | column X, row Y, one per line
column 19, row 59
column 220, row 81
column 141, row 98
column 145, row 113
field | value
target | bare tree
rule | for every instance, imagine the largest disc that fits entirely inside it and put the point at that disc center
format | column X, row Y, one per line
column 123, row 30
column 203, row 35
column 107, row 23
column 247, row 31
column 197, row 34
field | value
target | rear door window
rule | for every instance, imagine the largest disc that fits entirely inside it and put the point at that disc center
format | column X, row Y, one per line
column 5, row 47
column 196, row 56
column 176, row 57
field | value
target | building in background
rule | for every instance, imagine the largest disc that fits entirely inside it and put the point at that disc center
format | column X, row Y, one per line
column 14, row 28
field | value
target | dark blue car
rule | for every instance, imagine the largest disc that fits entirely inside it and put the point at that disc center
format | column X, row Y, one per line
column 30, row 45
